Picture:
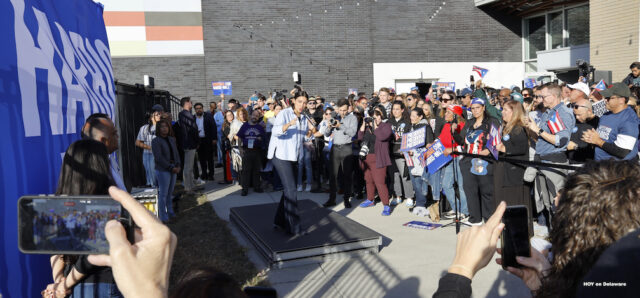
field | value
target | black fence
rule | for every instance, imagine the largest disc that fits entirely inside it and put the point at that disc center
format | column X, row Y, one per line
column 133, row 102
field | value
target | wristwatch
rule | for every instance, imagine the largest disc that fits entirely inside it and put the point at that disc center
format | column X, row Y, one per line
column 540, row 131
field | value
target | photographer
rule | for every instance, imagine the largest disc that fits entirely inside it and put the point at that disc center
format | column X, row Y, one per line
column 342, row 131
column 633, row 78
column 374, row 158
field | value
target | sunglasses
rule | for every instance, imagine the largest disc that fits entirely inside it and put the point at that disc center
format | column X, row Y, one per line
column 446, row 99
column 575, row 106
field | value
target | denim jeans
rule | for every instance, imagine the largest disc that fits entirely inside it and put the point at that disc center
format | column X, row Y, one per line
column 305, row 163
column 166, row 183
column 149, row 167
column 420, row 190
column 447, row 186
column 98, row 290
column 434, row 182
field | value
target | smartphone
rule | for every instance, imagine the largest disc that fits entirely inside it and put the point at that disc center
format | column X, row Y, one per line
column 68, row 224
column 515, row 235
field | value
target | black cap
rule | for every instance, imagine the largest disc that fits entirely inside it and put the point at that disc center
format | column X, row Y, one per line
column 157, row 108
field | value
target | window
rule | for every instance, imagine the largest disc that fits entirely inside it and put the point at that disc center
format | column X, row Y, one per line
column 536, row 31
column 577, row 25
column 555, row 30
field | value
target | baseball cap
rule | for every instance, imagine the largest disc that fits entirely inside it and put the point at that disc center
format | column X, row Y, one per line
column 414, row 88
column 619, row 89
column 465, row 92
column 580, row 86
column 456, row 109
column 517, row 97
column 157, row 108
column 478, row 101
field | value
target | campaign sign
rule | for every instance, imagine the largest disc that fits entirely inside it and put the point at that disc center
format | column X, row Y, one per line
column 599, row 108
column 55, row 71
column 433, row 158
column 451, row 86
column 413, row 139
column 494, row 140
column 353, row 91
column 220, row 88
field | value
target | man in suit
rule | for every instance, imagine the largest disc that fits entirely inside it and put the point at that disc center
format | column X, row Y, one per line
column 208, row 134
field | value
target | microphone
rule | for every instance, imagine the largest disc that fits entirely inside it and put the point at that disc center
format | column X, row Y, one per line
column 306, row 113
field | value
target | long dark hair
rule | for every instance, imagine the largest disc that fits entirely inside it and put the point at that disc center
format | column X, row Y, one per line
column 85, row 169
column 598, row 205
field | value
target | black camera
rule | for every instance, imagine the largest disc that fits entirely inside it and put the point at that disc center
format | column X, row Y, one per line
column 368, row 120
column 333, row 122
column 585, row 70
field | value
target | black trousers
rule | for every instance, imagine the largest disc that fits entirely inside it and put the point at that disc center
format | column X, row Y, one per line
column 341, row 158
column 205, row 156
column 479, row 191
column 251, row 166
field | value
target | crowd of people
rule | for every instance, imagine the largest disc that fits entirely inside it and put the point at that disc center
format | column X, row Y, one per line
column 353, row 146
column 568, row 152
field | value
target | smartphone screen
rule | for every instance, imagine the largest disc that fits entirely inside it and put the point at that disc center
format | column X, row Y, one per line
column 515, row 235
column 65, row 225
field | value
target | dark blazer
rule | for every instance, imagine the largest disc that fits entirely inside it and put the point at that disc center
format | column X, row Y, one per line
column 188, row 130
column 162, row 153
column 381, row 147
column 210, row 128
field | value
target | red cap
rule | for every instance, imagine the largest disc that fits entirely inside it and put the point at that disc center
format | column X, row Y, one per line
column 456, row 109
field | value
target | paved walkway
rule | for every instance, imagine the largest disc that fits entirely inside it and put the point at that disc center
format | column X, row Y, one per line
column 409, row 263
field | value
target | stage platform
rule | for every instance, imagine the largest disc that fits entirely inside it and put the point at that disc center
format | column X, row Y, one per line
column 330, row 234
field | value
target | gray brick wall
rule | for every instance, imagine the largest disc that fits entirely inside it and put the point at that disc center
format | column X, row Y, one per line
column 333, row 51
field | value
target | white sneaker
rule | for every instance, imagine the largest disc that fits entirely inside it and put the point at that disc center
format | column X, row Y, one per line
column 199, row 181
column 473, row 223
column 299, row 187
column 409, row 203
column 307, row 188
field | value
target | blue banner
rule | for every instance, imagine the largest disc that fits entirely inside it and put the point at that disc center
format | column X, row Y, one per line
column 55, row 70
column 220, row 88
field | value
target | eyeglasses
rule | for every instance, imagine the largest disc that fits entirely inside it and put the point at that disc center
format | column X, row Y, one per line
column 575, row 106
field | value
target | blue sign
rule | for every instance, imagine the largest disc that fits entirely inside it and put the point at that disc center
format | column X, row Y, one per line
column 55, row 70
column 434, row 157
column 220, row 88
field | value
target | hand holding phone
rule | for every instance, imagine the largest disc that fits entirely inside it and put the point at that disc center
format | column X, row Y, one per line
column 141, row 269
column 515, row 236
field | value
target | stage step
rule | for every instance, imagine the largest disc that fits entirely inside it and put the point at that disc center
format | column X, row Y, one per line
column 330, row 235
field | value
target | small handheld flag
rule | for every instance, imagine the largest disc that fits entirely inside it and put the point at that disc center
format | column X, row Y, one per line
column 555, row 124
column 601, row 85
column 481, row 71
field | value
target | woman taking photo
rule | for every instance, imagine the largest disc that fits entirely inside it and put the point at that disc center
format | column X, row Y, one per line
column 285, row 147
column 477, row 173
column 508, row 177
column 165, row 153
column 375, row 135
column 73, row 275
column 146, row 134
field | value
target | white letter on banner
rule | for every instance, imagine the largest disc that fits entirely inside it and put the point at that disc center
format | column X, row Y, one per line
column 92, row 68
column 30, row 58
column 75, row 92
column 106, row 78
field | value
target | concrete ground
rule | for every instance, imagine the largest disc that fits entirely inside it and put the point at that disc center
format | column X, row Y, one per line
column 409, row 263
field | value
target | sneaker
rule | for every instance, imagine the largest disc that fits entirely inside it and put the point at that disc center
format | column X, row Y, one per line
column 199, row 181
column 395, row 201
column 463, row 218
column 244, row 192
column 307, row 188
column 420, row 211
column 473, row 223
column 409, row 203
column 367, row 203
column 299, row 187
column 386, row 211
column 347, row 203
column 450, row 214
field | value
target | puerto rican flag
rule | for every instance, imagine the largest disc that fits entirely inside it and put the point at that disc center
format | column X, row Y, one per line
column 555, row 124
column 601, row 86
column 481, row 71
column 475, row 141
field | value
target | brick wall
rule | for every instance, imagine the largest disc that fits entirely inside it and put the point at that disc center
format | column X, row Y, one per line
column 614, row 26
column 332, row 51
